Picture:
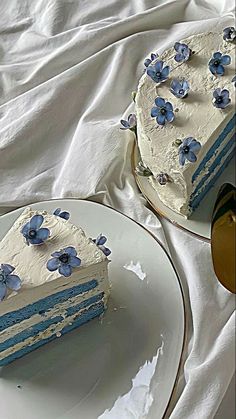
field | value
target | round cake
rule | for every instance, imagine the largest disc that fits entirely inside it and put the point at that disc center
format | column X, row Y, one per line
column 185, row 109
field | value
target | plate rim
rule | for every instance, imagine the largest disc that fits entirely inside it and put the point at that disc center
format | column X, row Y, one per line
column 168, row 408
column 157, row 210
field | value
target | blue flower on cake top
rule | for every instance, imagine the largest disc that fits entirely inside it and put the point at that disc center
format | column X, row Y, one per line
column 148, row 61
column 163, row 111
column 7, row 280
column 229, row 34
column 32, row 232
column 183, row 52
column 130, row 123
column 179, row 88
column 158, row 72
column 188, row 150
column 63, row 214
column 217, row 63
column 64, row 261
column 234, row 80
column 221, row 98
column 100, row 241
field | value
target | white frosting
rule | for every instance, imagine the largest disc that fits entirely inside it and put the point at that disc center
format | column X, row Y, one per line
column 30, row 261
column 196, row 116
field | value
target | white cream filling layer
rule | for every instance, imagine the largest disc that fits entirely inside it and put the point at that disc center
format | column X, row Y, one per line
column 215, row 171
column 57, row 310
column 26, row 296
column 51, row 330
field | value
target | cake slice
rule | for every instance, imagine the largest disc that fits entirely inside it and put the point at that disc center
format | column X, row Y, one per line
column 52, row 279
column 185, row 107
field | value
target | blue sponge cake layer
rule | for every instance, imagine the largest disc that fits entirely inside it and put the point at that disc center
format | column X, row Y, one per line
column 94, row 311
column 36, row 324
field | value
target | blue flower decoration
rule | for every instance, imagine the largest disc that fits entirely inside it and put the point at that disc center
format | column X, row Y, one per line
column 221, row 98
column 234, row 80
column 33, row 233
column 64, row 261
column 217, row 62
column 180, row 88
column 7, row 280
column 229, row 34
column 163, row 178
column 188, row 150
column 157, row 72
column 163, row 111
column 148, row 61
column 63, row 214
column 130, row 124
column 100, row 241
column 183, row 52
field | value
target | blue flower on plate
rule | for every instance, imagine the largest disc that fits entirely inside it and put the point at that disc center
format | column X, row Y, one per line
column 32, row 232
column 7, row 280
column 217, row 62
column 183, row 52
column 188, row 150
column 163, row 111
column 234, row 80
column 63, row 214
column 100, row 241
column 130, row 123
column 157, row 72
column 229, row 34
column 221, row 98
column 179, row 88
column 64, row 261
column 148, row 61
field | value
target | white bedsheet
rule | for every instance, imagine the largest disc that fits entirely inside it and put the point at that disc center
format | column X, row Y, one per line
column 67, row 69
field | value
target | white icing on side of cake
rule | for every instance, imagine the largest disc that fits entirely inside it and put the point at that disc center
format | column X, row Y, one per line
column 196, row 116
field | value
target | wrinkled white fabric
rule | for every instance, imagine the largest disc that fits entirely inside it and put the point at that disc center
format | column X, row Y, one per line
column 67, row 69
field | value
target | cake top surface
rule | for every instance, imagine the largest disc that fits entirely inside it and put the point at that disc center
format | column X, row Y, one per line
column 195, row 115
column 30, row 261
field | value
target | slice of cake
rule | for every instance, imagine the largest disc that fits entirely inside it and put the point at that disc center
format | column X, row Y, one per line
column 185, row 108
column 52, row 279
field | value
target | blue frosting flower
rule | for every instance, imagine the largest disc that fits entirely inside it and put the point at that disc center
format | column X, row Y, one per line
column 100, row 241
column 64, row 261
column 33, row 233
column 148, row 61
column 188, row 150
column 130, row 124
column 229, row 34
column 163, row 178
column 217, row 62
column 180, row 88
column 157, row 72
column 221, row 98
column 183, row 52
column 63, row 214
column 234, row 80
column 7, row 280
column 163, row 111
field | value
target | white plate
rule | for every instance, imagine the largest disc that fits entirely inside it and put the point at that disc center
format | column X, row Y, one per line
column 199, row 223
column 123, row 366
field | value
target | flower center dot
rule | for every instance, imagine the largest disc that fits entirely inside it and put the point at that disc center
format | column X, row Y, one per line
column 216, row 63
column 181, row 92
column 186, row 149
column 163, row 111
column 219, row 99
column 64, row 258
column 158, row 74
column 32, row 233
